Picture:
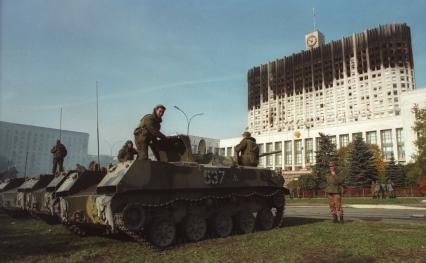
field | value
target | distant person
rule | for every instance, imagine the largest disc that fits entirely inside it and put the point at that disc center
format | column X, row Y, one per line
column 94, row 166
column 247, row 151
column 80, row 168
column 59, row 152
column 334, row 192
column 372, row 189
column 148, row 133
column 390, row 189
column 127, row 153
column 383, row 191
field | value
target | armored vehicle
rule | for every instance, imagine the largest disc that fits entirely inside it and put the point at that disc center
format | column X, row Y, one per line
column 74, row 199
column 31, row 191
column 42, row 200
column 177, row 197
column 8, row 193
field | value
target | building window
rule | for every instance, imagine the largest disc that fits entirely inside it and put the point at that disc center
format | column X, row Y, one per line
column 222, row 151
column 333, row 140
column 261, row 150
column 400, row 144
column 309, row 151
column 343, row 140
column 278, row 156
column 386, row 138
column 269, row 157
column 372, row 137
column 229, row 151
column 298, row 152
column 288, row 153
column 356, row 134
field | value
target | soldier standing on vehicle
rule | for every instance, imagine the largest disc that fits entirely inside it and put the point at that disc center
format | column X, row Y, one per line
column 334, row 192
column 148, row 133
column 59, row 152
column 247, row 152
column 127, row 153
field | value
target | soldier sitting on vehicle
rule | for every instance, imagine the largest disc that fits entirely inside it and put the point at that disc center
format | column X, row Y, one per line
column 148, row 133
column 127, row 153
column 247, row 152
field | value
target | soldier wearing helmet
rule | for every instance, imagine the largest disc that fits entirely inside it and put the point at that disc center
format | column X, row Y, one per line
column 247, row 151
column 127, row 153
column 148, row 133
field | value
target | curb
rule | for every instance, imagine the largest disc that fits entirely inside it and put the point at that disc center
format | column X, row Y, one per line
column 360, row 206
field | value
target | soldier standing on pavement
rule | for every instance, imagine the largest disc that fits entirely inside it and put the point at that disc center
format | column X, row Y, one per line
column 247, row 152
column 334, row 192
column 59, row 152
column 148, row 133
column 127, row 153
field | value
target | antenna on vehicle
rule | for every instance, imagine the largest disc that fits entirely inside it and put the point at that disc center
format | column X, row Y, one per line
column 60, row 124
column 97, row 120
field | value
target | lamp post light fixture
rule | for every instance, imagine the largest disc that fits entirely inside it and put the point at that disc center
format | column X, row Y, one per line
column 188, row 120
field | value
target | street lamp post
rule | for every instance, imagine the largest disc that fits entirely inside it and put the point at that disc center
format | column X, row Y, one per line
column 188, row 120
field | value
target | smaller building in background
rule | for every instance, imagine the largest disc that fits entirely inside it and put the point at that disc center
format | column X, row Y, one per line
column 27, row 147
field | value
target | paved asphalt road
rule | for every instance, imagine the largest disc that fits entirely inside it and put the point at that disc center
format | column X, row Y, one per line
column 368, row 214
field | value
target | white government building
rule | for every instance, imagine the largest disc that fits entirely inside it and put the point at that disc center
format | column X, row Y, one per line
column 363, row 84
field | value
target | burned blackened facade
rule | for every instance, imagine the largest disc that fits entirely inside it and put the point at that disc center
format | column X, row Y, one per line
column 359, row 77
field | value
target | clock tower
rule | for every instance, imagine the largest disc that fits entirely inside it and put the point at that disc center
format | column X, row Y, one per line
column 314, row 39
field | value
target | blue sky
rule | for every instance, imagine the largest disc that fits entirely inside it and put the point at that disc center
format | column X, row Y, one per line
column 194, row 54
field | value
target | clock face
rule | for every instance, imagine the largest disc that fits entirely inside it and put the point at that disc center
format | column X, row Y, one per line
column 311, row 41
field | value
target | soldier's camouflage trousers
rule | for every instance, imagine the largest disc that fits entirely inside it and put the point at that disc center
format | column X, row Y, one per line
column 142, row 148
column 335, row 204
column 58, row 162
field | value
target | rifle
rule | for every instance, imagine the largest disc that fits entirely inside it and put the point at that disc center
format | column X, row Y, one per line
column 269, row 153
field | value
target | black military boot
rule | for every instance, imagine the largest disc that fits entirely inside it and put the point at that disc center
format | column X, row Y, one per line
column 341, row 221
column 335, row 219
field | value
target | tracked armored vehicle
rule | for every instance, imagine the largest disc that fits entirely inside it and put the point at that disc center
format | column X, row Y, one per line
column 43, row 199
column 8, row 193
column 30, row 193
column 179, row 198
column 74, row 202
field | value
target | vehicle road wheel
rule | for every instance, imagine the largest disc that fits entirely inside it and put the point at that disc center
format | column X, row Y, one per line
column 265, row 219
column 134, row 217
column 195, row 228
column 163, row 233
column 222, row 225
column 245, row 222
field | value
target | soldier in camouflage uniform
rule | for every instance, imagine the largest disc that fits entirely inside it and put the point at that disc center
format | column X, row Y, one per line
column 127, row 153
column 334, row 192
column 148, row 133
column 59, row 152
column 247, row 152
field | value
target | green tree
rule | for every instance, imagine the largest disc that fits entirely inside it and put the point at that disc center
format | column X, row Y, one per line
column 306, row 182
column 344, row 159
column 361, row 170
column 325, row 154
column 420, row 142
column 394, row 172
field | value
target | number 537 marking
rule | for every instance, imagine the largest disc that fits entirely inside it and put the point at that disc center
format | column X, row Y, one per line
column 213, row 177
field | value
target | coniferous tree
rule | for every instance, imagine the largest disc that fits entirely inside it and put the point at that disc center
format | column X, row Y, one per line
column 325, row 154
column 361, row 170
column 394, row 172
column 420, row 129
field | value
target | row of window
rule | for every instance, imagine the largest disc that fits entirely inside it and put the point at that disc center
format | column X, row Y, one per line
column 294, row 149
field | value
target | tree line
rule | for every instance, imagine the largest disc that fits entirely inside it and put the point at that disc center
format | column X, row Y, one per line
column 361, row 163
